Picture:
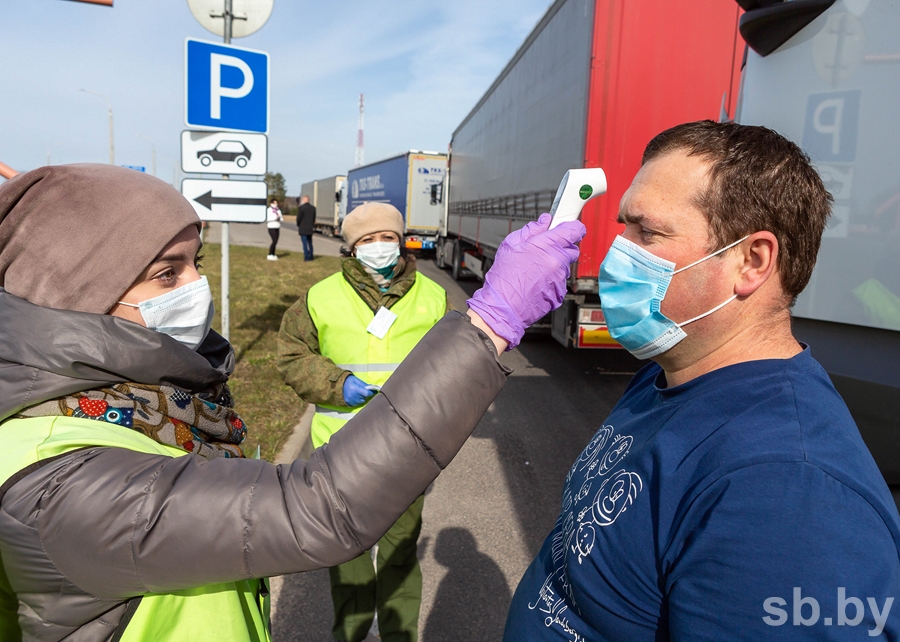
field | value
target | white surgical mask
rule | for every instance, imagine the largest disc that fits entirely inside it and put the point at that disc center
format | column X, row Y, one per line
column 185, row 313
column 378, row 256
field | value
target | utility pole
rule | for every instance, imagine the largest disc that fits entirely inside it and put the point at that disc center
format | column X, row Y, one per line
column 360, row 149
column 152, row 150
column 112, row 152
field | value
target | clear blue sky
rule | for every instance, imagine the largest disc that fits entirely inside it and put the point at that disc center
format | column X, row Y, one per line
column 421, row 64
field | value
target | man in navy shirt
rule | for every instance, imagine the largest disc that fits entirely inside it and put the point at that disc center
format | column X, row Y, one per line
column 728, row 496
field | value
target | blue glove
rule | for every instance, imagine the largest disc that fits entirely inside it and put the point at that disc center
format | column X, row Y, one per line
column 357, row 391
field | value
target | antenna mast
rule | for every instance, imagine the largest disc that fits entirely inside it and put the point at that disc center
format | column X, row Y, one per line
column 360, row 151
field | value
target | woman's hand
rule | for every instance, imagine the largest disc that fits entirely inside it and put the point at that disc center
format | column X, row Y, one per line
column 357, row 391
column 528, row 278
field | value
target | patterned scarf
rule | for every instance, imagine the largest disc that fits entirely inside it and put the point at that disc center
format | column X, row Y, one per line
column 165, row 414
column 384, row 276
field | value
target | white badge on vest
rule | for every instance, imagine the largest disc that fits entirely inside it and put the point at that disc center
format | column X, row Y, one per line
column 382, row 322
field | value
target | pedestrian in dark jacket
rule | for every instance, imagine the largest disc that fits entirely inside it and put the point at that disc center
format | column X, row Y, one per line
column 126, row 498
column 306, row 222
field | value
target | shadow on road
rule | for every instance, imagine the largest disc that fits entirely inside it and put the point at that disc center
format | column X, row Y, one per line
column 472, row 598
column 540, row 424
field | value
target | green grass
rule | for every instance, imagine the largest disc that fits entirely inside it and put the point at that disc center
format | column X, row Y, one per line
column 261, row 292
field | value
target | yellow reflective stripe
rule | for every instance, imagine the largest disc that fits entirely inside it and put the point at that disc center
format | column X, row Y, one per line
column 334, row 414
column 368, row 367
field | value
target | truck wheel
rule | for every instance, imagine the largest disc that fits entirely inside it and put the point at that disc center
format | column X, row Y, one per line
column 456, row 265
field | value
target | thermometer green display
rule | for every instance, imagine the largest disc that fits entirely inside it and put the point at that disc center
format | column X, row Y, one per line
column 578, row 186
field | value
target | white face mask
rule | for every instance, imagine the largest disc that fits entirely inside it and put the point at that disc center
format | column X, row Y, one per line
column 185, row 313
column 378, row 256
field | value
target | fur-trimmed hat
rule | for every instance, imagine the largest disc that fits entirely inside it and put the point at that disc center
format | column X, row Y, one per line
column 369, row 218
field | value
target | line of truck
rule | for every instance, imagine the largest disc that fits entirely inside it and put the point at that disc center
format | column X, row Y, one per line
column 413, row 182
column 597, row 79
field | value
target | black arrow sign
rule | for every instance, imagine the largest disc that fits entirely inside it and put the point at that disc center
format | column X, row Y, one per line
column 208, row 200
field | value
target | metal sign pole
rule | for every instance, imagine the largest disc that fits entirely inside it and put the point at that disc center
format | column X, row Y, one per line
column 238, row 202
column 226, row 250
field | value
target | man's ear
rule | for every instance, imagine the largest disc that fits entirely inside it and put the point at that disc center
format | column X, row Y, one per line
column 759, row 252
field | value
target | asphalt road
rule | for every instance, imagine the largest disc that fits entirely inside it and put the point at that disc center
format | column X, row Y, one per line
column 488, row 513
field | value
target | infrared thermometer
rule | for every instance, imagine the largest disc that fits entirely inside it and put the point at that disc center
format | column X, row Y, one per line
column 578, row 186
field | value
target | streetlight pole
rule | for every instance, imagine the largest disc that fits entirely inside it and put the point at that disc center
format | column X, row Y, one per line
column 152, row 149
column 112, row 152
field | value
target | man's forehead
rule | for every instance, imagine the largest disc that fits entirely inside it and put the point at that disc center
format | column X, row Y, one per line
column 666, row 185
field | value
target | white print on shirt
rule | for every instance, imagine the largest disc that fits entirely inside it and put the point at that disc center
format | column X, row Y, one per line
column 615, row 496
column 614, row 454
column 555, row 608
column 576, row 531
column 584, row 541
column 589, row 454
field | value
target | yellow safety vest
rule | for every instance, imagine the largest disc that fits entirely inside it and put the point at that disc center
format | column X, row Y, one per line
column 341, row 318
column 232, row 612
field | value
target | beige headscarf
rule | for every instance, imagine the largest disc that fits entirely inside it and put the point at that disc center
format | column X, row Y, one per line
column 369, row 218
column 75, row 237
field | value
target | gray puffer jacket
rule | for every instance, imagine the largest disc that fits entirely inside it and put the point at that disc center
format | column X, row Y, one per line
column 85, row 532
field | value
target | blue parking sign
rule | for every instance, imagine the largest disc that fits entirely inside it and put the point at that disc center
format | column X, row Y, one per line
column 225, row 87
column 832, row 123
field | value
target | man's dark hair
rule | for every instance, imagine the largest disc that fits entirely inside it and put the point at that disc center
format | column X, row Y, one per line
column 758, row 180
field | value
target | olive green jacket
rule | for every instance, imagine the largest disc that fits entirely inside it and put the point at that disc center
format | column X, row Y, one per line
column 315, row 378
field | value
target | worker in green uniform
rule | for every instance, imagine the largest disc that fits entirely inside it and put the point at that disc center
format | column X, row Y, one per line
column 338, row 345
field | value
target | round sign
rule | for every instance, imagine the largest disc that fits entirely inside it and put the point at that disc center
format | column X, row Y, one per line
column 249, row 15
column 585, row 192
column 839, row 48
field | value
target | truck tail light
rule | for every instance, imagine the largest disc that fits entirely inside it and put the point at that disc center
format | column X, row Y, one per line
column 591, row 315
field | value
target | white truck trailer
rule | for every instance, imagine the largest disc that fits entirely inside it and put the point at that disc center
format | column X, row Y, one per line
column 326, row 195
column 833, row 87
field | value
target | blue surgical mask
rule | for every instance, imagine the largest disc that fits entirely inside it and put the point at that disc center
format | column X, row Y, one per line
column 633, row 283
column 185, row 313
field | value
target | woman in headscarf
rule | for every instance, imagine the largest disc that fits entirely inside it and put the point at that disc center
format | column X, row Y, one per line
column 127, row 509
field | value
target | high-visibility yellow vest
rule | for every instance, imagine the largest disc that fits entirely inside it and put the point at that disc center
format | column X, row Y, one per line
column 232, row 612
column 341, row 318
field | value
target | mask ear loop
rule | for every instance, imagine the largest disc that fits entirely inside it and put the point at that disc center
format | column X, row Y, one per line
column 706, row 314
column 726, row 301
column 709, row 256
column 130, row 305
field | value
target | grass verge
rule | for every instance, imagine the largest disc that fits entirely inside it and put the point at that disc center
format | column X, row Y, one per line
column 261, row 292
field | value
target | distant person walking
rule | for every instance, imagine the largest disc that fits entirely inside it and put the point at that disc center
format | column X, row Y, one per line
column 273, row 222
column 306, row 221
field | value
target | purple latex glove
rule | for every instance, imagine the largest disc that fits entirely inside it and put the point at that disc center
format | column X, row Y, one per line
column 528, row 278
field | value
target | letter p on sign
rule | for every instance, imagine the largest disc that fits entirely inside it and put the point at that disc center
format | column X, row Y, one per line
column 217, row 91
column 226, row 87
